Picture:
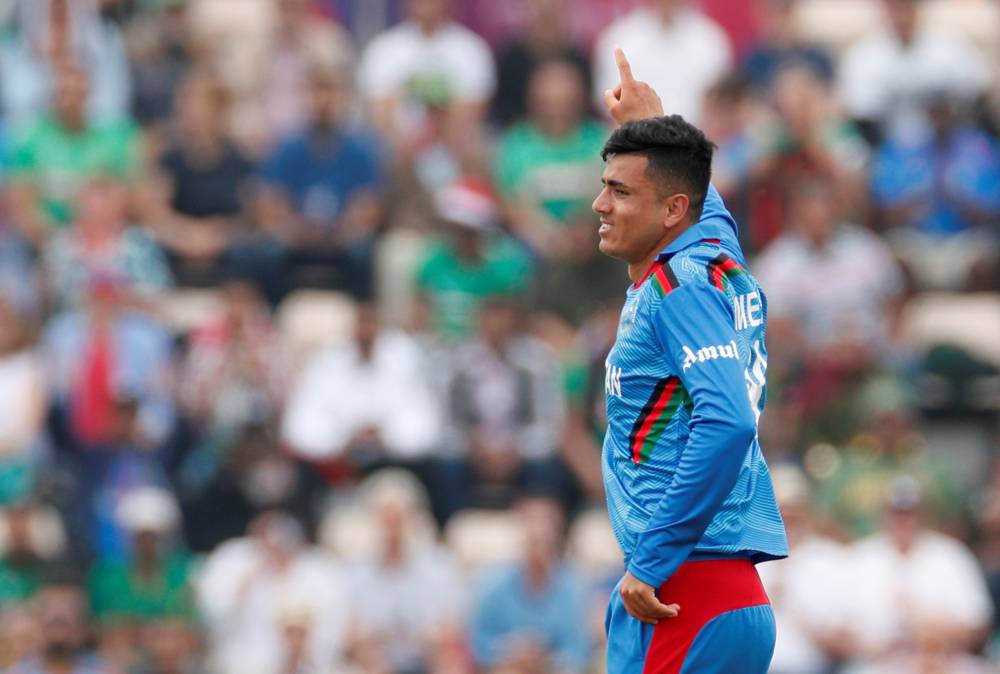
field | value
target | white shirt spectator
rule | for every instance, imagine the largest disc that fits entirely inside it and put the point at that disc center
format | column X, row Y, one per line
column 681, row 59
column 938, row 579
column 417, row 600
column 837, row 290
column 404, row 59
column 243, row 601
column 22, row 388
column 880, row 77
column 340, row 394
column 808, row 599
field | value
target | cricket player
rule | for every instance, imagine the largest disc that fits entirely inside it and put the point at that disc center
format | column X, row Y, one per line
column 689, row 493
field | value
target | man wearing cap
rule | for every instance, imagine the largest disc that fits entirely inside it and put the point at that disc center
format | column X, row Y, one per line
column 153, row 581
column 473, row 260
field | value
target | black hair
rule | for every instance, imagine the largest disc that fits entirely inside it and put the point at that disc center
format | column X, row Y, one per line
column 679, row 154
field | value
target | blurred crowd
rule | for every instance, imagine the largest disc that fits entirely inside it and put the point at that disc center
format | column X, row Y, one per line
column 303, row 326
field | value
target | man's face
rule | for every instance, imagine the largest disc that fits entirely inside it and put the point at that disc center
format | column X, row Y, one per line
column 71, row 95
column 903, row 17
column 60, row 613
column 631, row 209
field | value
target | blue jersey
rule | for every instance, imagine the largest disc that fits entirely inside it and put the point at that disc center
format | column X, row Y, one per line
column 685, row 384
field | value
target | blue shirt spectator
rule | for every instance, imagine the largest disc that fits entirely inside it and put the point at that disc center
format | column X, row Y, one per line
column 941, row 179
column 320, row 171
column 529, row 615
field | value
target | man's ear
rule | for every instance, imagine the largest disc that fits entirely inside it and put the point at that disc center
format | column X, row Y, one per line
column 675, row 210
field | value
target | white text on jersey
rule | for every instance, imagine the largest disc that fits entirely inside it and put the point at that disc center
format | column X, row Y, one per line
column 709, row 353
column 748, row 310
column 612, row 380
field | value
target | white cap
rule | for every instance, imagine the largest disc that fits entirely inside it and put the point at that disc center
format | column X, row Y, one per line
column 148, row 509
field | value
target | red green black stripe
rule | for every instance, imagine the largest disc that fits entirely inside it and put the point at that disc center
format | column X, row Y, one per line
column 663, row 278
column 667, row 397
column 722, row 270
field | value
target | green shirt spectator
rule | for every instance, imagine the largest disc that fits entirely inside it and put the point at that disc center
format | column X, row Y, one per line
column 56, row 160
column 153, row 581
column 556, row 174
column 121, row 590
column 548, row 166
column 454, row 284
column 18, row 583
column 53, row 155
column 472, row 261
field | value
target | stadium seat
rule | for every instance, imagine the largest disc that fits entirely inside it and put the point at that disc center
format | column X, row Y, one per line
column 971, row 322
column 592, row 544
column 187, row 308
column 481, row 538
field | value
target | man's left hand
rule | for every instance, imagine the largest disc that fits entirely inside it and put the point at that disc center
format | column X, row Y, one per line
column 641, row 602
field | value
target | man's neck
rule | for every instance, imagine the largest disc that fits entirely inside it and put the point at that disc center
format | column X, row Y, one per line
column 637, row 271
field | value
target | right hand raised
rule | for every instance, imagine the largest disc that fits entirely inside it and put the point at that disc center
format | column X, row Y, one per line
column 631, row 99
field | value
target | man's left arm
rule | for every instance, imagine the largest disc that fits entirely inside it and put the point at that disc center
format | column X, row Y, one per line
column 723, row 425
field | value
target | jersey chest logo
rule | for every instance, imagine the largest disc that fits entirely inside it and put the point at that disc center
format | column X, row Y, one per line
column 628, row 318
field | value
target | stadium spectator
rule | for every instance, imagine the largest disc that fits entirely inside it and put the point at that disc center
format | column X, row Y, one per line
column 236, row 370
column 169, row 647
column 519, row 620
column 672, row 46
column 23, row 387
column 415, row 574
column 19, row 634
column 884, row 444
column 50, row 35
column 910, row 582
column 227, row 479
column 148, row 583
column 251, row 588
column 505, row 412
column 586, row 416
column 579, row 280
column 104, row 359
column 152, row 581
column 805, row 274
column 61, row 611
column 427, row 61
column 197, row 206
column 53, row 155
column 543, row 36
column 779, row 43
column 301, row 40
column 472, row 260
column 161, row 51
column 811, row 612
column 547, row 166
column 101, row 243
column 31, row 539
column 322, row 193
column 369, row 400
column 885, row 77
column 807, row 138
column 934, row 189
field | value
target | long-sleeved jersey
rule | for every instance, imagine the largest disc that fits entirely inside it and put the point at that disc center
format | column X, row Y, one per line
column 685, row 385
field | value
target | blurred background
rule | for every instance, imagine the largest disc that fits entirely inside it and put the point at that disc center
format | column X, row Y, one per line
column 303, row 326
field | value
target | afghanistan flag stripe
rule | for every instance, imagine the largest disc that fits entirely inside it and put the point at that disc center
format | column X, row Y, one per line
column 663, row 278
column 721, row 271
column 667, row 397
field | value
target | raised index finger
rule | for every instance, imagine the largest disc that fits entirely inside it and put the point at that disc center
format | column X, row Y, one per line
column 624, row 69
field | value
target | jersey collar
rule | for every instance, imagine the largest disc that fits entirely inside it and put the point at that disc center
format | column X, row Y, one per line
column 700, row 231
